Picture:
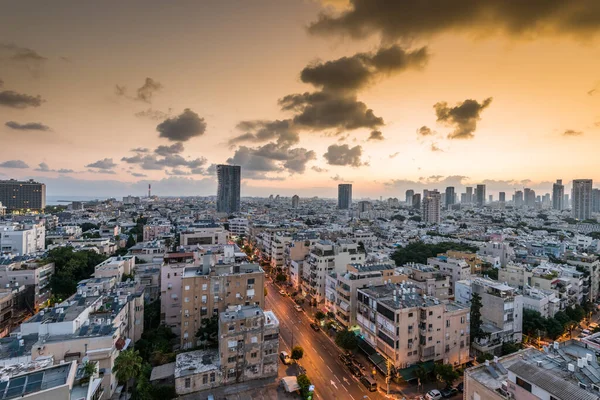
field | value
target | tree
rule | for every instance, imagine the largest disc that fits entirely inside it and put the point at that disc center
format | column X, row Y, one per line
column 304, row 384
column 422, row 374
column 576, row 313
column 297, row 353
column 281, row 277
column 130, row 242
column 475, row 322
column 446, row 373
column 70, row 267
column 554, row 328
column 510, row 347
column 89, row 369
column 128, row 365
column 419, row 252
column 569, row 326
column 484, row 356
column 319, row 315
column 208, row 332
column 346, row 340
column 533, row 322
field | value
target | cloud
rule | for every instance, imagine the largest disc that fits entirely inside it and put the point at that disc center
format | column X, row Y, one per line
column 43, row 167
column 183, row 127
column 319, row 169
column 356, row 72
column 140, row 150
column 571, row 132
column 425, row 131
column 10, row 98
column 14, row 164
column 272, row 157
column 435, row 148
column 30, row 126
column 338, row 178
column 104, row 164
column 376, row 135
column 153, row 114
column 410, row 20
column 463, row 117
column 138, row 175
column 394, row 155
column 22, row 57
column 344, row 155
column 144, row 93
column 175, row 148
column 102, row 171
column 263, row 130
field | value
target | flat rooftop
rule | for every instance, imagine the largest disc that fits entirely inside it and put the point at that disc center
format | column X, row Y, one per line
column 20, row 385
column 196, row 362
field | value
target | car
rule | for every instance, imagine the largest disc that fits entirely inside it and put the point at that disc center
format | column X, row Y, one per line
column 282, row 292
column 355, row 371
column 315, row 327
column 460, row 387
column 344, row 358
column 285, row 357
column 433, row 395
column 449, row 392
column 298, row 308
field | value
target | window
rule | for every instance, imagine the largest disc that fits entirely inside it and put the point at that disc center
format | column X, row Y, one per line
column 410, row 315
column 187, row 287
column 204, row 286
column 231, row 359
column 186, row 299
column 525, row 385
column 254, row 354
column 188, row 383
column 447, row 323
column 212, row 377
column 204, row 379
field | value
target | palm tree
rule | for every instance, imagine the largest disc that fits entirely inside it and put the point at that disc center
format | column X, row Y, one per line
column 128, row 365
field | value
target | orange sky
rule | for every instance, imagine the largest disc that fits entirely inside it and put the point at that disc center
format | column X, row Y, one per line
column 230, row 61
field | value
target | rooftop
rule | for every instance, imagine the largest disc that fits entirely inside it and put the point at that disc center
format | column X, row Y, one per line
column 36, row 381
column 196, row 362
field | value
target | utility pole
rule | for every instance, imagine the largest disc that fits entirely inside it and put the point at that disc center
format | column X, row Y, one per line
column 389, row 372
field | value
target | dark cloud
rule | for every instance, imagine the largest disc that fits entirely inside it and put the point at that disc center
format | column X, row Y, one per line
column 264, row 130
column 355, row 72
column 177, row 172
column 338, row 178
column 138, row 175
column 10, row 98
column 376, row 135
column 120, row 90
column 410, row 20
column 183, row 127
column 144, row 93
column 153, row 114
column 272, row 157
column 43, row 167
column 30, row 126
column 571, row 132
column 140, row 150
column 344, row 155
column 102, row 171
column 65, row 171
column 14, row 164
column 104, row 164
column 175, row 148
column 22, row 58
column 425, row 131
column 319, row 169
column 463, row 117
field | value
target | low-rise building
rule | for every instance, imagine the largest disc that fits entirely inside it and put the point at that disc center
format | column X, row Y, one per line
column 456, row 268
column 430, row 280
column 115, row 266
column 31, row 274
column 25, row 238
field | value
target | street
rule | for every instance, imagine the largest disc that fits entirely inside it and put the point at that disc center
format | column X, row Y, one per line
column 331, row 378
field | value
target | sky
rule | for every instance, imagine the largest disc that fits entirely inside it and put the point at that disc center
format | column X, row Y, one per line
column 103, row 98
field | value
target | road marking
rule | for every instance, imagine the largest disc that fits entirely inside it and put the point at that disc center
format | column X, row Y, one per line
column 351, row 396
column 329, row 369
column 321, row 358
column 346, row 381
column 338, row 379
column 333, row 384
column 345, row 388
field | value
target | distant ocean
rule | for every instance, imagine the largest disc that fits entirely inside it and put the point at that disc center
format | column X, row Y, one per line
column 64, row 200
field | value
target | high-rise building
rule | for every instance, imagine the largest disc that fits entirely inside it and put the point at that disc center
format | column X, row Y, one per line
column 480, row 195
column 469, row 191
column 491, row 198
column 450, row 196
column 596, row 200
column 23, row 195
column 409, row 196
column 228, row 192
column 345, row 196
column 518, row 199
column 581, row 199
column 529, row 195
column 364, row 206
column 502, row 197
column 566, row 202
column 432, row 205
column 416, row 200
column 558, row 195
column 295, row 201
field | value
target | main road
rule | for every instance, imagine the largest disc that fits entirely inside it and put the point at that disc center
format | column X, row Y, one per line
column 331, row 378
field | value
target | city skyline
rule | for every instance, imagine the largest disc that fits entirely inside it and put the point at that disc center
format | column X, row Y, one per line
column 104, row 112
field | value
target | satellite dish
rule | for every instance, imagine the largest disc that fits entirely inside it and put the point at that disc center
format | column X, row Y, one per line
column 85, row 360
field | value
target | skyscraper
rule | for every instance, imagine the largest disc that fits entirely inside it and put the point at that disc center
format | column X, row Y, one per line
column 432, row 205
column 529, row 197
column 518, row 199
column 558, row 195
column 409, row 196
column 502, row 197
column 345, row 196
column 228, row 191
column 469, row 195
column 480, row 195
column 596, row 200
column 416, row 200
column 23, row 195
column 450, row 196
column 295, row 201
column 581, row 199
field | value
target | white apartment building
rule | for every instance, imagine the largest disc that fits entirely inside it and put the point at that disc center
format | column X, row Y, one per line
column 238, row 226
column 115, row 266
column 409, row 328
column 501, row 312
column 279, row 242
column 326, row 257
column 22, row 238
column 208, row 234
column 543, row 301
column 589, row 263
column 499, row 250
column 29, row 274
column 457, row 269
column 432, row 208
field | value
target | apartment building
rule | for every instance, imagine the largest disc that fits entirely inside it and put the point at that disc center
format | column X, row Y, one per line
column 543, row 301
column 238, row 226
column 429, row 280
column 474, row 261
column 156, row 231
column 341, row 288
column 22, row 238
column 205, row 234
column 115, row 266
column 501, row 312
column 457, row 269
column 171, row 275
column 23, row 195
column 590, row 264
column 210, row 289
column 248, row 344
column 31, row 274
column 409, row 328
column 295, row 253
column 279, row 243
column 516, row 275
column 326, row 257
column 500, row 250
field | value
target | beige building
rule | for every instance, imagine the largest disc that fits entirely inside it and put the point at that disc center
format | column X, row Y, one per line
column 248, row 344
column 210, row 289
column 29, row 274
column 115, row 266
column 340, row 293
column 457, row 269
column 409, row 328
column 589, row 263
column 429, row 280
column 474, row 261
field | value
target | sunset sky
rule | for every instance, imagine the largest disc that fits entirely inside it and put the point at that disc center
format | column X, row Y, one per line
column 102, row 98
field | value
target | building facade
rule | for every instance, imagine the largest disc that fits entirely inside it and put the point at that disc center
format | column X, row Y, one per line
column 581, row 199
column 23, row 195
column 345, row 196
column 228, row 191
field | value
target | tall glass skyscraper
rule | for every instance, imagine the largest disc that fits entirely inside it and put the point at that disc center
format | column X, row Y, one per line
column 228, row 192
column 581, row 199
column 344, row 196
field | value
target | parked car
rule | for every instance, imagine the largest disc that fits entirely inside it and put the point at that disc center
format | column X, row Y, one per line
column 282, row 292
column 460, row 387
column 369, row 383
column 285, row 358
column 315, row 327
column 433, row 395
column 449, row 392
column 345, row 359
column 355, row 370
column 298, row 308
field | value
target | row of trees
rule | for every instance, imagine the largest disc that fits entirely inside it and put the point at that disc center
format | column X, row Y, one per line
column 70, row 267
column 563, row 321
column 419, row 252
